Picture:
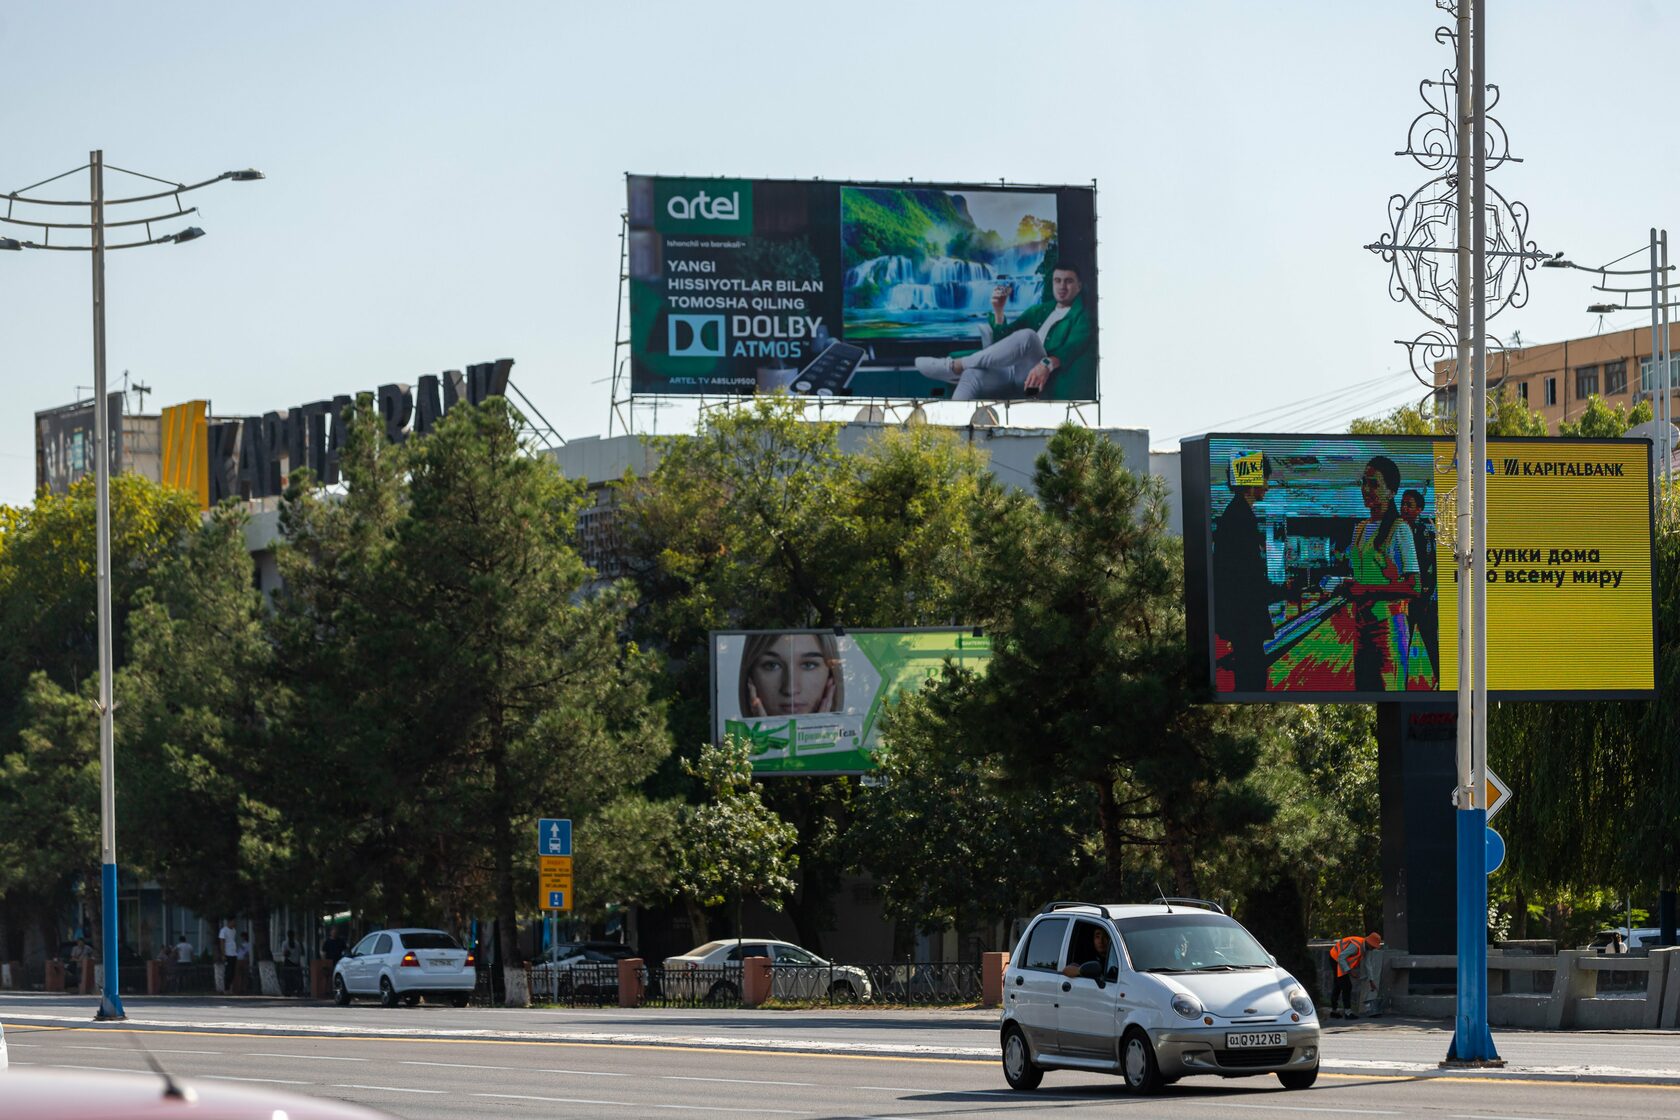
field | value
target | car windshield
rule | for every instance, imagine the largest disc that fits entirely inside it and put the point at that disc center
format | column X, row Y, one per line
column 428, row 939
column 1190, row 943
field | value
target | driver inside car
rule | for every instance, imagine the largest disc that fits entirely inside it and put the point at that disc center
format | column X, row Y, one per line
column 1090, row 943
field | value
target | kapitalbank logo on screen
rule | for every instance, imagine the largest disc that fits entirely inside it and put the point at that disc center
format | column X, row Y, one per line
column 722, row 206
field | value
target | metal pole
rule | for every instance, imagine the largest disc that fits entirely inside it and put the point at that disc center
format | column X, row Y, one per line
column 1659, row 368
column 110, row 1001
column 1472, row 1043
column 1667, row 412
column 1463, row 404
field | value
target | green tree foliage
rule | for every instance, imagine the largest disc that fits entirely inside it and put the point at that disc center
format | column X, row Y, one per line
column 761, row 521
column 1510, row 414
column 1600, row 421
column 198, row 771
column 731, row 846
column 47, row 605
column 953, row 843
column 454, row 669
column 1090, row 683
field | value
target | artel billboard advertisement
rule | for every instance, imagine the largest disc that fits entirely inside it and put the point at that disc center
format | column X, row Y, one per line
column 1320, row 568
column 838, row 289
column 810, row 701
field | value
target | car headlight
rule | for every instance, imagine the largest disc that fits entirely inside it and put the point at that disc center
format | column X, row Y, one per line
column 1187, row 1006
column 1300, row 1002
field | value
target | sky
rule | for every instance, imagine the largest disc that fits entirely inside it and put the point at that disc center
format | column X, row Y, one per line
column 445, row 180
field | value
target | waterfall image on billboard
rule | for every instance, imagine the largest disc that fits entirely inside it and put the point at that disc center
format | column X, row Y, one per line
column 923, row 263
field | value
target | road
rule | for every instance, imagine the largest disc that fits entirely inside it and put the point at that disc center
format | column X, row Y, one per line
column 428, row 1062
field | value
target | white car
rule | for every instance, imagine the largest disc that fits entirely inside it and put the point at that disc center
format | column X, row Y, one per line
column 1179, row 989
column 401, row 965
column 795, row 973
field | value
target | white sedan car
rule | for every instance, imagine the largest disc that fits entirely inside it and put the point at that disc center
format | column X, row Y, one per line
column 795, row 973
column 401, row 965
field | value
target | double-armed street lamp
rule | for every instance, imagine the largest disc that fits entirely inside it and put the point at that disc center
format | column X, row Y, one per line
column 94, row 229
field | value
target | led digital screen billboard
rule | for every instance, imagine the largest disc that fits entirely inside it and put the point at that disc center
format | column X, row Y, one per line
column 1321, row 568
column 838, row 289
column 810, row 701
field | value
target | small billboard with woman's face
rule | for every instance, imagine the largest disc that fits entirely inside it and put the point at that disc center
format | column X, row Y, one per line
column 1322, row 567
column 809, row 701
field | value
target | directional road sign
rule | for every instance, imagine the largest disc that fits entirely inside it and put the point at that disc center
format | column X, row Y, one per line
column 554, row 882
column 1495, row 795
column 554, row 837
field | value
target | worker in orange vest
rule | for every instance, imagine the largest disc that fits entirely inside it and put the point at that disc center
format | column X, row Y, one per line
column 1348, row 954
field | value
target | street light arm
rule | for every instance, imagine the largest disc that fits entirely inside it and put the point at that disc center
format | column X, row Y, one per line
column 245, row 176
column 108, row 225
column 167, row 238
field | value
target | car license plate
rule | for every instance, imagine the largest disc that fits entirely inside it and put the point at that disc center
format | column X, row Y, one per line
column 1244, row 1041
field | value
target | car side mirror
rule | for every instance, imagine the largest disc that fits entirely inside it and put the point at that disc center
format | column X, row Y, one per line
column 1092, row 970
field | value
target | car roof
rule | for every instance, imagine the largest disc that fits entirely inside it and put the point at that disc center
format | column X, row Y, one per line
column 1116, row 910
column 729, row 942
column 51, row 1094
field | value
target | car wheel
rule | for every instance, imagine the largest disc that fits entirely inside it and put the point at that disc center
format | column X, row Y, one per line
column 1298, row 1078
column 723, row 992
column 842, row 990
column 341, row 994
column 1137, row 1062
column 387, row 994
column 459, row 999
column 1018, row 1067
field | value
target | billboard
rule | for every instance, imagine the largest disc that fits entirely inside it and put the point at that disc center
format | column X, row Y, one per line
column 837, row 289
column 1320, row 568
column 64, row 443
column 810, row 701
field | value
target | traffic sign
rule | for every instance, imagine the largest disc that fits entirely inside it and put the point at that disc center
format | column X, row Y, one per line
column 1495, row 851
column 554, row 882
column 1495, row 793
column 554, row 837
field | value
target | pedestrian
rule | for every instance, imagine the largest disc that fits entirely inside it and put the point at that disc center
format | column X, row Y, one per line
column 242, row 955
column 291, row 964
column 1348, row 954
column 332, row 946
column 227, row 944
column 1617, row 946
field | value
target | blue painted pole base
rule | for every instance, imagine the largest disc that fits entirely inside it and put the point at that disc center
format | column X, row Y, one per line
column 1472, row 1042
column 110, row 1001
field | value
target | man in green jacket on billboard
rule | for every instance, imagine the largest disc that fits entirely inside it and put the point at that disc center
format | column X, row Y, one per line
column 1051, row 339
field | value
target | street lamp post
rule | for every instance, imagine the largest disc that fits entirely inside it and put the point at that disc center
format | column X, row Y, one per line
column 110, row 1002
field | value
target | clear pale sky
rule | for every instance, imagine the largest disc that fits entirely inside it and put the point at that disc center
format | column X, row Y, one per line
column 445, row 180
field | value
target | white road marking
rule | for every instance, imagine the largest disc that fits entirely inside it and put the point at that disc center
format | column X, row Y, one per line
column 549, row 1100
column 308, row 1057
column 158, row 1050
column 263, row 1080
column 1307, row 1108
column 392, row 1089
column 738, row 1081
column 101, row 1069
column 521, row 1069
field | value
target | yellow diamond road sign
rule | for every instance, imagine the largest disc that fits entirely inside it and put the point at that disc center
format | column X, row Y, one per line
column 554, row 882
column 1495, row 794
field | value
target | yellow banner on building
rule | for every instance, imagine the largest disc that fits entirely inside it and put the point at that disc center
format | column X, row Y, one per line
column 186, row 464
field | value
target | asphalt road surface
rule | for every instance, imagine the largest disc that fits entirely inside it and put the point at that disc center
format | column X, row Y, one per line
column 429, row 1062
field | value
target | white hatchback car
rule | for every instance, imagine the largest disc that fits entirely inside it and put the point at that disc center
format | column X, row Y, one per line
column 795, row 973
column 401, row 965
column 1179, row 988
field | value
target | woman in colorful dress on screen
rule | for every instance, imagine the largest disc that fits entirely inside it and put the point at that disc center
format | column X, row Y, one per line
column 1384, row 579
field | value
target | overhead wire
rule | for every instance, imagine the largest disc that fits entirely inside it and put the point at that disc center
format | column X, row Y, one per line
column 1281, row 411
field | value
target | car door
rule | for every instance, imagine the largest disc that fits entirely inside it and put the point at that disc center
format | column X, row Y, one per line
column 378, row 960
column 355, row 969
column 1035, row 993
column 739, row 953
column 1086, row 1021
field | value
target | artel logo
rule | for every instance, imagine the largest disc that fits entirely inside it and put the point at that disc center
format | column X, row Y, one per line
column 703, row 206
column 695, row 336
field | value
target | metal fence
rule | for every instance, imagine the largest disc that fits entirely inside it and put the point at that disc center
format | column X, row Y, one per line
column 718, row 986
column 590, row 984
column 930, row 982
column 196, row 978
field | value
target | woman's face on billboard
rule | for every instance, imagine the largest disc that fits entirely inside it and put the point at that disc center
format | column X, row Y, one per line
column 792, row 677
column 1375, row 491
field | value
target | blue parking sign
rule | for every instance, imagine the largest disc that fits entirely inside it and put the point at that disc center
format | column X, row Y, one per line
column 556, row 900
column 554, row 837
